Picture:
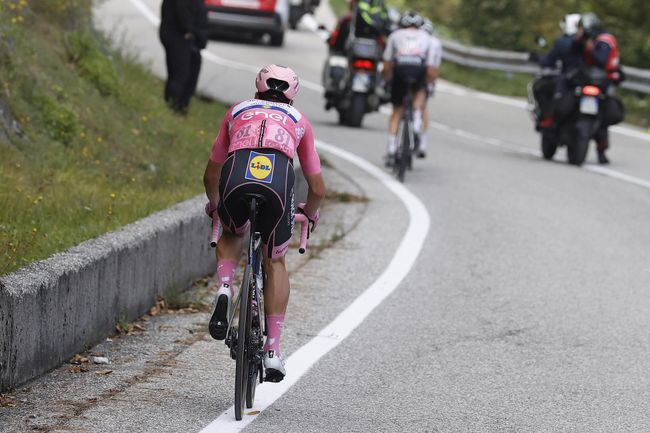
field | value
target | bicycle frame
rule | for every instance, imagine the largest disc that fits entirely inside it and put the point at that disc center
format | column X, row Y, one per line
column 246, row 340
column 407, row 136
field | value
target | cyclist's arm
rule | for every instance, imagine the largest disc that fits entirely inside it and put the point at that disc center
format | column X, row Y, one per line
column 388, row 59
column 432, row 67
column 211, row 181
column 311, row 169
column 217, row 158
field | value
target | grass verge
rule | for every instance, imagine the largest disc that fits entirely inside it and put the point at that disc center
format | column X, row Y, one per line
column 86, row 143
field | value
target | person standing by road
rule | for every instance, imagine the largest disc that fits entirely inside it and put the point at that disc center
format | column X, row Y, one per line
column 182, row 33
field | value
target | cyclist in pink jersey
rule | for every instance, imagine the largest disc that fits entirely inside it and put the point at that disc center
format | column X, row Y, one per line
column 253, row 153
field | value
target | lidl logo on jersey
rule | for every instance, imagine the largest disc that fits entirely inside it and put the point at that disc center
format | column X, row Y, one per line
column 260, row 167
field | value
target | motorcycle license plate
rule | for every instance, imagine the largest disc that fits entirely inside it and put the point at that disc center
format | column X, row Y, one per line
column 360, row 82
column 589, row 105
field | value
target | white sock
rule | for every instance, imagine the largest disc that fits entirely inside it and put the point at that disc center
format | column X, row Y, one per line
column 417, row 121
column 423, row 142
column 392, row 146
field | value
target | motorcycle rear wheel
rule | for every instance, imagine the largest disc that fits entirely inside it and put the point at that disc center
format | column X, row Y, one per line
column 577, row 151
column 357, row 110
column 549, row 146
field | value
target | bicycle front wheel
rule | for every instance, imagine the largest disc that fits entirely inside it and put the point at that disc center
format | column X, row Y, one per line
column 243, row 339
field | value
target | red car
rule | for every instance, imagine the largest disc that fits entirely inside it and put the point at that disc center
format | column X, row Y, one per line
column 253, row 17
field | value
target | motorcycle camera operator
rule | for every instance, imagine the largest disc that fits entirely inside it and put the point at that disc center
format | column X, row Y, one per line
column 366, row 19
column 550, row 89
column 583, row 45
column 601, row 51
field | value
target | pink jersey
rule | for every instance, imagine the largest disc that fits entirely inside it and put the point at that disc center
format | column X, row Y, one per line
column 257, row 123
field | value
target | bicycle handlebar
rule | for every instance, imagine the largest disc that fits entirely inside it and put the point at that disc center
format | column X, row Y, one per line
column 216, row 230
column 304, row 231
column 300, row 218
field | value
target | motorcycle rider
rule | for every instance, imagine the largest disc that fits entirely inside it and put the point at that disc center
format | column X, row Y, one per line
column 601, row 51
column 409, row 54
column 567, row 50
column 371, row 21
column 437, row 59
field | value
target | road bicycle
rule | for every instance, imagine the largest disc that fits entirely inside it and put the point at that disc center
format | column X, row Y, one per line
column 406, row 134
column 246, row 340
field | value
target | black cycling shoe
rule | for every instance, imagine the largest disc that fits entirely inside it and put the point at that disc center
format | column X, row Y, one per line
column 219, row 321
column 602, row 158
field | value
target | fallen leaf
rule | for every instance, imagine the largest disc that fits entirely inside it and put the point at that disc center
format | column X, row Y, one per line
column 139, row 328
column 253, row 412
column 7, row 401
column 79, row 369
column 104, row 372
column 78, row 359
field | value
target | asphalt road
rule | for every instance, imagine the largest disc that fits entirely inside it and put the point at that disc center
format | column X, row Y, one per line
column 527, row 310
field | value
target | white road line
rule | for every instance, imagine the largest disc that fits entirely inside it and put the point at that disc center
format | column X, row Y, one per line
column 617, row 175
column 495, row 142
column 304, row 358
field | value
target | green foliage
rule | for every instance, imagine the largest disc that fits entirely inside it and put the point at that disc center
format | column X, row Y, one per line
column 59, row 119
column 84, row 50
column 126, row 154
column 64, row 13
column 513, row 24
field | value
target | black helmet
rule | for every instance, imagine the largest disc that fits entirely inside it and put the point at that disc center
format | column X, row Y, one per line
column 590, row 24
column 411, row 19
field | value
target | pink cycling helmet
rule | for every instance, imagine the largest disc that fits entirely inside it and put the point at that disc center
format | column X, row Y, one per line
column 280, row 78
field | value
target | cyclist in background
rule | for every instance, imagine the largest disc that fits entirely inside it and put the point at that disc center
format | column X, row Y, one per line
column 253, row 153
column 408, row 55
column 436, row 46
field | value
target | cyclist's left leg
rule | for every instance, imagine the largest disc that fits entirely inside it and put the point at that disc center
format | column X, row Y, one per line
column 234, row 219
column 420, row 121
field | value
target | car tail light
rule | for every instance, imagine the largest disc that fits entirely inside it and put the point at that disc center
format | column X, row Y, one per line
column 590, row 91
column 363, row 64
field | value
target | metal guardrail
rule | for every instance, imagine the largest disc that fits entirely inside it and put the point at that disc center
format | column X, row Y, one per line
column 513, row 61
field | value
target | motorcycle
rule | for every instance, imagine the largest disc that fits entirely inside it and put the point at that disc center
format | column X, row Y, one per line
column 577, row 114
column 298, row 8
column 352, row 81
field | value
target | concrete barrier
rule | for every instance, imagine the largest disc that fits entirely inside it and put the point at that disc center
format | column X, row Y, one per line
column 54, row 308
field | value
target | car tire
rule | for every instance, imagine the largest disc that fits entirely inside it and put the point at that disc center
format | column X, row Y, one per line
column 277, row 39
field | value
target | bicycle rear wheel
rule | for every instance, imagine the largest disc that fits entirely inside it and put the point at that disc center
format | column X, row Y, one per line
column 403, row 151
column 243, row 339
column 255, row 369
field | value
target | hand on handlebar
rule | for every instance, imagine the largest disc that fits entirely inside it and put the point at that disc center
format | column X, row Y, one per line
column 209, row 209
column 313, row 219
